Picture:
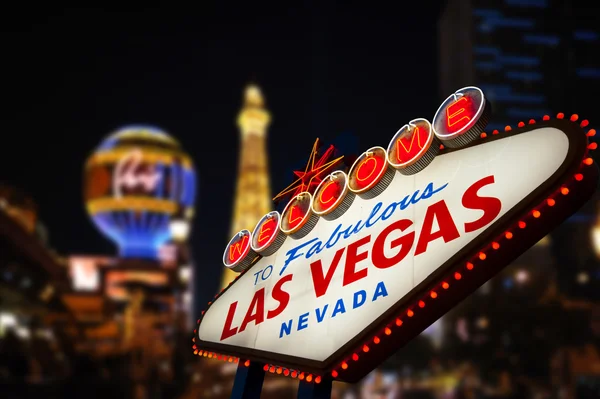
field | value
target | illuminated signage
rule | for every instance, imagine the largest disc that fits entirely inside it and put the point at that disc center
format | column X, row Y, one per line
column 371, row 173
column 267, row 237
column 297, row 217
column 129, row 173
column 137, row 182
column 332, row 197
column 462, row 117
column 403, row 249
column 413, row 147
column 85, row 273
column 238, row 254
column 116, row 281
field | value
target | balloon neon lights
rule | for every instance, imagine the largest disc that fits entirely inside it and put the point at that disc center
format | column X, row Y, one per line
column 136, row 181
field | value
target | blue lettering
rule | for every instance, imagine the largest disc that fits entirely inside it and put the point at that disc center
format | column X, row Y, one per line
column 363, row 298
column 321, row 316
column 380, row 290
column 293, row 254
column 339, row 308
column 346, row 232
column 391, row 208
column 314, row 249
column 256, row 276
column 429, row 191
column 335, row 234
column 303, row 321
column 404, row 203
column 270, row 269
column 374, row 211
column 285, row 328
column 358, row 227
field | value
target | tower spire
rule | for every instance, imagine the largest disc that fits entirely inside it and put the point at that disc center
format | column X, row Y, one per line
column 253, row 192
column 253, row 118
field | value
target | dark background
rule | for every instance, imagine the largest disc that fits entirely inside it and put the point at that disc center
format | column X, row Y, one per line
column 72, row 76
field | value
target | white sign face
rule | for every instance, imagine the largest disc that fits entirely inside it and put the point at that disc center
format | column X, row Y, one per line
column 309, row 302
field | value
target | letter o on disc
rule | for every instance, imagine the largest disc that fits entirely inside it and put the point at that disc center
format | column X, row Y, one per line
column 239, row 255
column 267, row 238
column 371, row 173
column 462, row 117
column 298, row 219
column 413, row 147
column 332, row 197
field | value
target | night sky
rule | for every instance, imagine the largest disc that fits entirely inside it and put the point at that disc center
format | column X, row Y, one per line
column 72, row 76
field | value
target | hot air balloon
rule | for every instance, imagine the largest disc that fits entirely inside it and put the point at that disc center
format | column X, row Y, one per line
column 136, row 182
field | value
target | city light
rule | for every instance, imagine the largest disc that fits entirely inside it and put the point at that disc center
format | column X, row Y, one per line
column 483, row 322
column 185, row 273
column 180, row 230
column 596, row 237
column 522, row 276
column 583, row 278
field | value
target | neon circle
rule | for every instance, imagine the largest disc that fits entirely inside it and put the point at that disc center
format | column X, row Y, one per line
column 459, row 112
column 361, row 166
column 410, row 143
column 265, row 231
column 375, row 162
column 296, row 213
column 237, row 249
column 330, row 193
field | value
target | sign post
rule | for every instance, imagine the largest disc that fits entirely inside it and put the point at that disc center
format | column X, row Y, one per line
column 306, row 390
column 355, row 268
column 248, row 381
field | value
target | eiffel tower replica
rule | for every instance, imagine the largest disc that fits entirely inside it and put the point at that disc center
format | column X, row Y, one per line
column 253, row 191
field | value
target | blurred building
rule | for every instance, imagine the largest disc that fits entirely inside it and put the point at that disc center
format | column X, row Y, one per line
column 31, row 275
column 578, row 252
column 34, row 346
column 530, row 57
column 19, row 206
column 253, row 188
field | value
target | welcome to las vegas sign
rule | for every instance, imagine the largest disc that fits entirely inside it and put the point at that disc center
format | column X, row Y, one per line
column 345, row 276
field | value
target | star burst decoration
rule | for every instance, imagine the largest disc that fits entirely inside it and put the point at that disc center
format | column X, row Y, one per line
column 311, row 176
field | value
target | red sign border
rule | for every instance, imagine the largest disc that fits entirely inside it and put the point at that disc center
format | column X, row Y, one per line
column 364, row 352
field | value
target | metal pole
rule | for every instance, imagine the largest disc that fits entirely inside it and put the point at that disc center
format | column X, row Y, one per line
column 310, row 390
column 248, row 381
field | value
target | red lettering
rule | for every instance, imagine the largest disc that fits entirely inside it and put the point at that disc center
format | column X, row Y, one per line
column 239, row 247
column 228, row 331
column 447, row 229
column 280, row 296
column 293, row 219
column 490, row 206
column 352, row 258
column 256, row 311
column 266, row 227
column 368, row 174
column 331, row 192
column 405, row 243
column 456, row 114
column 321, row 281
column 408, row 153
